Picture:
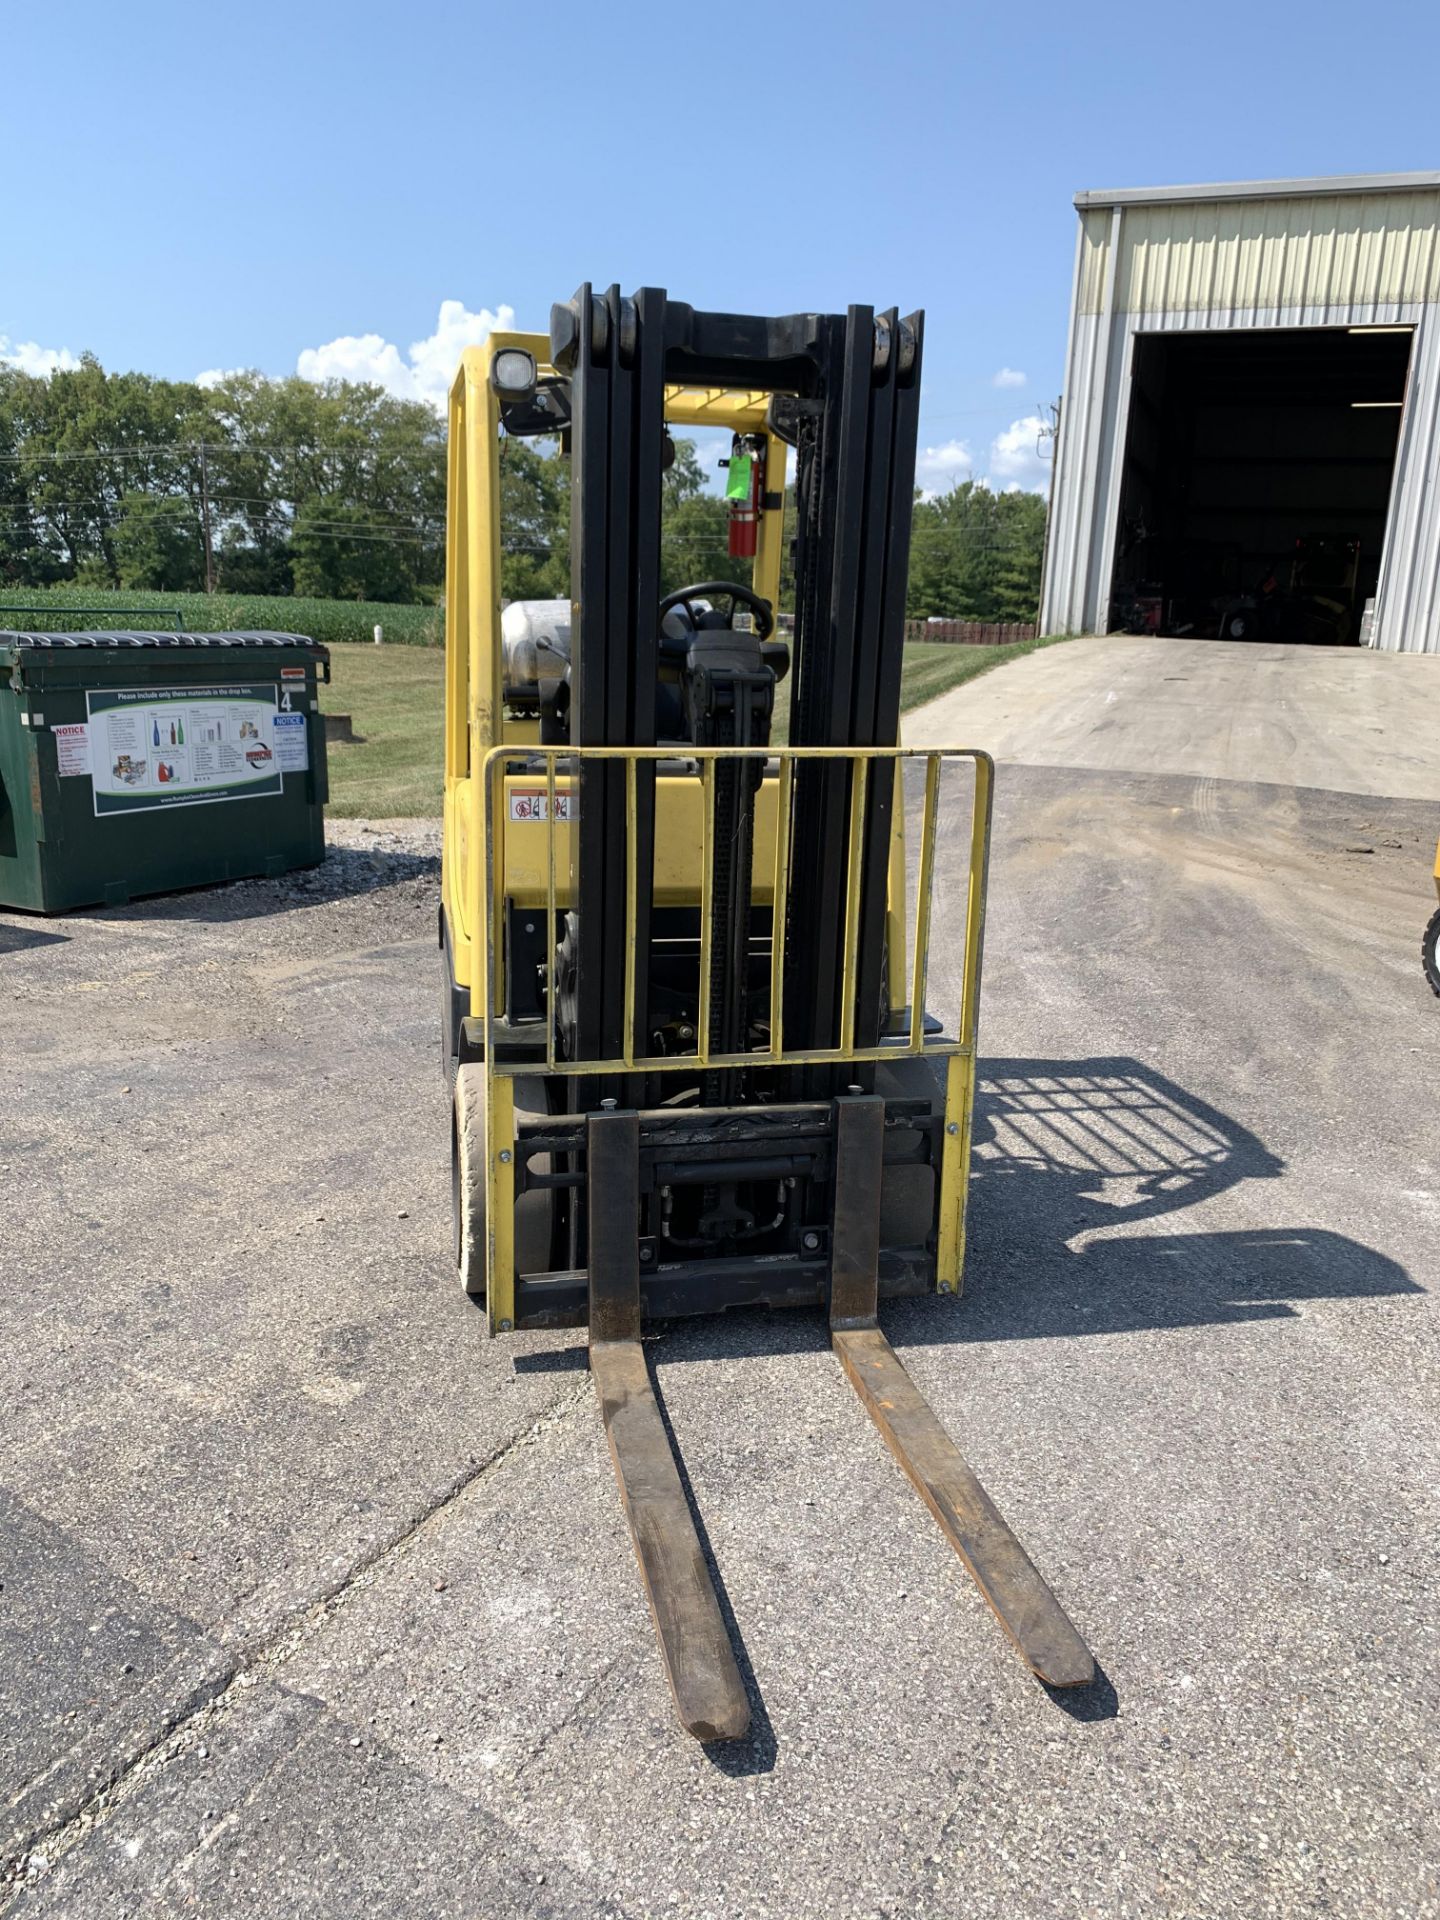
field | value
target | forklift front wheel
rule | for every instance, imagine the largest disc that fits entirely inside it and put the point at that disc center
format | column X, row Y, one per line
column 534, row 1211
column 1430, row 952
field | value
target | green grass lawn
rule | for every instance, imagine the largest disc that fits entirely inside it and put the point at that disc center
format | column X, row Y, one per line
column 395, row 696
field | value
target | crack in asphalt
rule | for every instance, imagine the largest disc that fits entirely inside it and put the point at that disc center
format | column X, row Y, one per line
column 263, row 1653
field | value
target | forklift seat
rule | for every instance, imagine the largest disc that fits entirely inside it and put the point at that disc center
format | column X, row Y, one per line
column 676, row 636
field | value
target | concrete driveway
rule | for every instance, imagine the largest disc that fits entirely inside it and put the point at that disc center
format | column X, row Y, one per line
column 315, row 1604
column 1340, row 718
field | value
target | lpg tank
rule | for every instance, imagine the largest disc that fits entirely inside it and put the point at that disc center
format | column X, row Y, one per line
column 535, row 646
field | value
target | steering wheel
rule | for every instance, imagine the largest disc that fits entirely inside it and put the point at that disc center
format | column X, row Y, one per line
column 718, row 589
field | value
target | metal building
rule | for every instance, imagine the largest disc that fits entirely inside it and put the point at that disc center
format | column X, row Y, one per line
column 1250, row 429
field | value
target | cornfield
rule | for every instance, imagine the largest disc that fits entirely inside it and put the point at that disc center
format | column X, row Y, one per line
column 331, row 622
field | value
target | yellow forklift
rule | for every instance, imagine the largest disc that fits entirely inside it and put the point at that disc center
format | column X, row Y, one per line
column 685, row 1027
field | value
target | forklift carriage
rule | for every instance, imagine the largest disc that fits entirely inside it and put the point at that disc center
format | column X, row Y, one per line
column 691, row 1063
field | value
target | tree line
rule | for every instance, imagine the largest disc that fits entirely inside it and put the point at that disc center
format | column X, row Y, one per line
column 248, row 485
column 258, row 486
column 976, row 555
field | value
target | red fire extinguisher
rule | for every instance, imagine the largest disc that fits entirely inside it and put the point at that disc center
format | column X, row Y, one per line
column 745, row 493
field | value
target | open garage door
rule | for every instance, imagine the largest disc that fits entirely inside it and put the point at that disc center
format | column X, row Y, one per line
column 1257, row 481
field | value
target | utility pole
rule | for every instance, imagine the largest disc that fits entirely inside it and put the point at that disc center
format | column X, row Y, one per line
column 205, row 522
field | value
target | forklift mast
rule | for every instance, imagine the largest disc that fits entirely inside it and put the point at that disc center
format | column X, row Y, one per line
column 846, row 393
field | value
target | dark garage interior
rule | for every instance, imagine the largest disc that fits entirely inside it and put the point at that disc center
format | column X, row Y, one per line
column 1257, row 480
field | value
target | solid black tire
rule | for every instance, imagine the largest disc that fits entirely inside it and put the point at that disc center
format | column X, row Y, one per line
column 1430, row 952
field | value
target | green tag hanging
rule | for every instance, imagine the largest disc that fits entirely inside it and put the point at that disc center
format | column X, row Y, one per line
column 737, row 478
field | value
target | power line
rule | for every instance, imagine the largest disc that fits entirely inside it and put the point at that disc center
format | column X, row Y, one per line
column 716, row 544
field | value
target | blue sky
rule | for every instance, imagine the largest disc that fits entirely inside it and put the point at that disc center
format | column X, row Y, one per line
column 192, row 188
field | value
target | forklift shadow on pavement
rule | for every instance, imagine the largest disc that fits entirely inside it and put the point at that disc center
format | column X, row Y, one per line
column 1067, row 1152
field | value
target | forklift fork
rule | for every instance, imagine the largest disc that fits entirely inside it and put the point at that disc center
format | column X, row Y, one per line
column 1044, row 1636
column 700, row 1664
column 699, row 1661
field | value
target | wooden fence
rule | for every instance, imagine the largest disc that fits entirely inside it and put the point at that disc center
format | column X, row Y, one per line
column 970, row 633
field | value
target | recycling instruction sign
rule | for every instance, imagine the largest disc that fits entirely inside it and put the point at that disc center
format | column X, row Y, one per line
column 153, row 747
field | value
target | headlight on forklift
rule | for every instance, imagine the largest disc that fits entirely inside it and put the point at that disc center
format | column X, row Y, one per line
column 513, row 373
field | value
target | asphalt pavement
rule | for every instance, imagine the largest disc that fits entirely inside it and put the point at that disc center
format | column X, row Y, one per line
column 313, row 1602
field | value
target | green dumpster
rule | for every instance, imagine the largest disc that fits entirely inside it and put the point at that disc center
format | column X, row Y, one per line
column 134, row 763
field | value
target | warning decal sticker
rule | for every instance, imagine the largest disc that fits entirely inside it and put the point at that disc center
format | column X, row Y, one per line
column 532, row 804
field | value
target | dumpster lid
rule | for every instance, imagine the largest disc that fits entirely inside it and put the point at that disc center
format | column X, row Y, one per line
column 139, row 637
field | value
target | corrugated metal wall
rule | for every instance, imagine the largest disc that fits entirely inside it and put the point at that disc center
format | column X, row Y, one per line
column 1341, row 259
column 1244, row 257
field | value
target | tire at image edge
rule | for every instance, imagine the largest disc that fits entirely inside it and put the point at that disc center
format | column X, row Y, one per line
column 534, row 1211
column 1430, row 952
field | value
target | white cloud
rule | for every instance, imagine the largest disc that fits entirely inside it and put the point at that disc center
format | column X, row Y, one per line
column 436, row 358
column 1007, row 377
column 1014, row 459
column 213, row 376
column 425, row 372
column 937, row 469
column 26, row 357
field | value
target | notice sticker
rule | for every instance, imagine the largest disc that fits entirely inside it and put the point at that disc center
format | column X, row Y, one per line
column 72, row 749
column 290, row 738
